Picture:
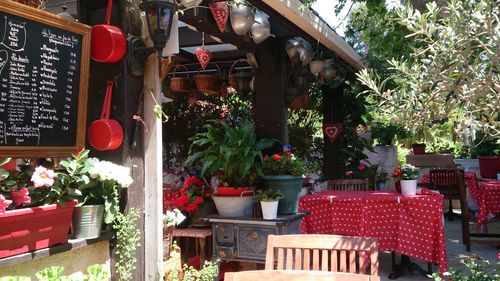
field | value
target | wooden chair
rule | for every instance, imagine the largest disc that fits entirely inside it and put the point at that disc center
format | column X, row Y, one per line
column 351, row 185
column 334, row 253
column 294, row 275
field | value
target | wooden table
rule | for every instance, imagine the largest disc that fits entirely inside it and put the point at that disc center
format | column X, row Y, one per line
column 199, row 234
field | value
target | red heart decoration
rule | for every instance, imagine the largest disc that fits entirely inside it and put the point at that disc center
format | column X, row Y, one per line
column 332, row 131
column 220, row 11
column 203, row 56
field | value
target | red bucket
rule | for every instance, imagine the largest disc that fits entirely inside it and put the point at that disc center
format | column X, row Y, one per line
column 105, row 133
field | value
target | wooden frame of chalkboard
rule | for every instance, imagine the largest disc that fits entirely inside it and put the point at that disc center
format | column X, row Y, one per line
column 44, row 85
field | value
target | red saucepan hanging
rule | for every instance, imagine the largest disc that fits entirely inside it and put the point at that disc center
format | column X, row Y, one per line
column 108, row 42
column 105, row 133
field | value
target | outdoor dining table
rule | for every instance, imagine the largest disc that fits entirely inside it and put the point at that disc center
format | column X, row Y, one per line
column 487, row 196
column 409, row 225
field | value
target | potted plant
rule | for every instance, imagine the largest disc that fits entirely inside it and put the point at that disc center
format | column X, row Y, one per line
column 284, row 172
column 194, row 198
column 29, row 204
column 234, row 155
column 406, row 176
column 384, row 133
column 418, row 148
column 96, row 185
column 487, row 151
column 269, row 199
column 171, row 218
column 381, row 178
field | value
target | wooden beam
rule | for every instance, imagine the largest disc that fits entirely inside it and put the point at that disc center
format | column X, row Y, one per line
column 153, row 229
column 202, row 20
column 270, row 83
column 333, row 113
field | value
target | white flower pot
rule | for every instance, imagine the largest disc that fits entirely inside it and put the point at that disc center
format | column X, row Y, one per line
column 409, row 187
column 269, row 209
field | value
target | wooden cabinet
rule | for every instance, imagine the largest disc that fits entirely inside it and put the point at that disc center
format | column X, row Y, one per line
column 245, row 239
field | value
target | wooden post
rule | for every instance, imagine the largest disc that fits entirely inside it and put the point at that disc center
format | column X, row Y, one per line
column 270, row 84
column 333, row 113
column 153, row 229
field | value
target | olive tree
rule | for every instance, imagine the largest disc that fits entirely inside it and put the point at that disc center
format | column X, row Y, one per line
column 453, row 72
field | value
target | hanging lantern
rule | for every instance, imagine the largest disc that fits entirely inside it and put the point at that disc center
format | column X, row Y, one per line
column 159, row 15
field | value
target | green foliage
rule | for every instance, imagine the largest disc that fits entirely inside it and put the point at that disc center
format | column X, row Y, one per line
column 453, row 72
column 405, row 172
column 479, row 270
column 233, row 150
column 385, row 133
column 284, row 164
column 96, row 272
column 208, row 272
column 485, row 146
column 127, row 241
column 269, row 195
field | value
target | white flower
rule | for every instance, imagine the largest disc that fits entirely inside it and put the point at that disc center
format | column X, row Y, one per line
column 105, row 170
column 173, row 218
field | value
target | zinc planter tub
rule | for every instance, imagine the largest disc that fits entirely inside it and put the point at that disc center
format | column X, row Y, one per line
column 87, row 221
column 291, row 186
column 30, row 229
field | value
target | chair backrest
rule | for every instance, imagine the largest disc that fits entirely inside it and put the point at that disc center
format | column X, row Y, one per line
column 351, row 185
column 322, row 252
column 295, row 275
column 447, row 182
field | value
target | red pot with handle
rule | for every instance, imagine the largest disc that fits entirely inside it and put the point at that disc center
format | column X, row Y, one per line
column 108, row 42
column 105, row 133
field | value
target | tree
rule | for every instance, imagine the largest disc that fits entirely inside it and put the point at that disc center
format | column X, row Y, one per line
column 452, row 73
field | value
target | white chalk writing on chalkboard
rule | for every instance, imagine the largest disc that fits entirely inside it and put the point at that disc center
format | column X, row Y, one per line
column 14, row 35
column 4, row 57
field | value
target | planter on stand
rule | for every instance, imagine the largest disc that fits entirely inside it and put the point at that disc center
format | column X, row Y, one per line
column 35, row 228
column 408, row 187
column 87, row 221
column 291, row 186
column 269, row 209
column 234, row 202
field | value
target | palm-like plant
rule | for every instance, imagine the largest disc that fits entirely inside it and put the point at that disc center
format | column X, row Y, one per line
column 234, row 151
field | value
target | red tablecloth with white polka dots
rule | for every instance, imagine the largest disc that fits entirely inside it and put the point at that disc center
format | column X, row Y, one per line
column 469, row 177
column 488, row 200
column 409, row 225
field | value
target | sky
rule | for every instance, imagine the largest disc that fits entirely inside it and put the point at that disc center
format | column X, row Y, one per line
column 326, row 11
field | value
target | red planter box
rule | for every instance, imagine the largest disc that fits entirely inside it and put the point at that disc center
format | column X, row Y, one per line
column 31, row 229
column 489, row 166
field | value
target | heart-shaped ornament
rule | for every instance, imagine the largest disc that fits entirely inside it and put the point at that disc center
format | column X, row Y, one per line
column 220, row 11
column 204, row 56
column 332, row 131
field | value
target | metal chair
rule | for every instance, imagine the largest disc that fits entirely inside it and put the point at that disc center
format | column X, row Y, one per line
column 322, row 252
column 350, row 185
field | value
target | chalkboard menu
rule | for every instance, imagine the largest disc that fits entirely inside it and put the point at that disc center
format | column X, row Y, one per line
column 43, row 82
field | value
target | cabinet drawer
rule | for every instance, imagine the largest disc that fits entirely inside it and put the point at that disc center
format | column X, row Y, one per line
column 252, row 241
column 224, row 252
column 224, row 233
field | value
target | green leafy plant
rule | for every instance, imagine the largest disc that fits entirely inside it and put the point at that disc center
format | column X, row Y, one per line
column 479, row 270
column 269, row 195
column 127, row 241
column 96, row 272
column 385, row 133
column 381, row 176
column 208, row 272
column 232, row 151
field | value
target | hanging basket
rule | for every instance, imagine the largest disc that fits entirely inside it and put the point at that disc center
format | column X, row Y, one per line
column 39, row 4
column 180, row 85
column 209, row 83
column 298, row 100
column 240, row 81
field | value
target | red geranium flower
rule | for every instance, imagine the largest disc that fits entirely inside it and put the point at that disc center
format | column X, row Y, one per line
column 198, row 200
column 276, row 157
column 21, row 196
